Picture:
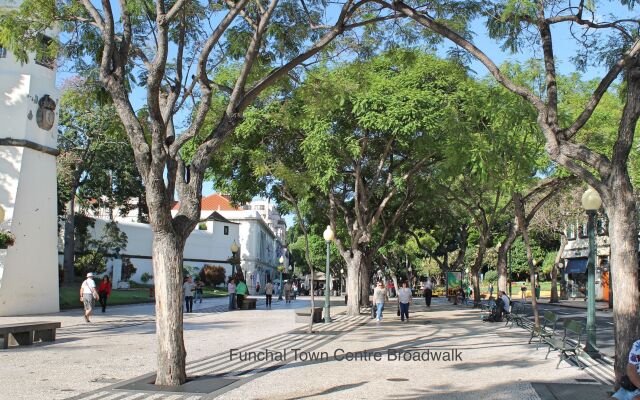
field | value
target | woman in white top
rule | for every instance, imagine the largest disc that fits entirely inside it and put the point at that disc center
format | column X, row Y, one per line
column 379, row 296
column 404, row 299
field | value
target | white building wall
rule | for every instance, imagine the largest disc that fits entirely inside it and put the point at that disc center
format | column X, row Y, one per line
column 28, row 269
column 210, row 247
column 258, row 248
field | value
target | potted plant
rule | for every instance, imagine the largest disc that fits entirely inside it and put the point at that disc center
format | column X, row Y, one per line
column 6, row 239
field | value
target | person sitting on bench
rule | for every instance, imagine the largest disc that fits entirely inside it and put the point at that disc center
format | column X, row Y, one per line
column 506, row 301
column 630, row 383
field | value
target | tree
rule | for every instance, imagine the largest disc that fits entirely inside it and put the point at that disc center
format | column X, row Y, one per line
column 517, row 25
column 95, row 165
column 129, row 45
column 368, row 149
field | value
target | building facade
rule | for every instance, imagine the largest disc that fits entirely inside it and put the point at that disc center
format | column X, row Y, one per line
column 28, row 149
column 261, row 244
column 576, row 255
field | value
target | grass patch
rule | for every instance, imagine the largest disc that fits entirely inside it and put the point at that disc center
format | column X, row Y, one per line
column 70, row 296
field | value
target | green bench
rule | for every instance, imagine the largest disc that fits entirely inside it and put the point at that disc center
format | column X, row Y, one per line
column 547, row 329
column 569, row 343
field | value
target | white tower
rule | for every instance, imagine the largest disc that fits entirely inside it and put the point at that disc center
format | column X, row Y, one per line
column 28, row 148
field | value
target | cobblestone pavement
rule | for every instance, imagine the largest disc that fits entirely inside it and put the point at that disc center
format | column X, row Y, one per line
column 113, row 358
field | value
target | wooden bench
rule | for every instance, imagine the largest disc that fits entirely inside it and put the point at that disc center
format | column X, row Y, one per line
column 28, row 332
column 249, row 304
column 302, row 314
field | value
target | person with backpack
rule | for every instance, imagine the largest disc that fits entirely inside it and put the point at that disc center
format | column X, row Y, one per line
column 88, row 294
column 241, row 292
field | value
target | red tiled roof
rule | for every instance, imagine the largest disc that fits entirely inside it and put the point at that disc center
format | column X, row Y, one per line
column 215, row 202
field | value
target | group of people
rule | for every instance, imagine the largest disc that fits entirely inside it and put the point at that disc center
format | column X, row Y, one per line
column 502, row 307
column 237, row 290
column 380, row 295
column 89, row 294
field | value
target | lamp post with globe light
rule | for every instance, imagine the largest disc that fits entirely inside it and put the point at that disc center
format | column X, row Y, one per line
column 235, row 260
column 328, row 236
column 591, row 203
column 281, row 268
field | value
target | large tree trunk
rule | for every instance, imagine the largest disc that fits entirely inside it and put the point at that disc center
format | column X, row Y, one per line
column 554, row 269
column 477, row 264
column 167, row 275
column 69, row 239
column 623, row 228
column 503, row 270
column 476, row 286
column 518, row 206
column 365, row 281
column 354, row 271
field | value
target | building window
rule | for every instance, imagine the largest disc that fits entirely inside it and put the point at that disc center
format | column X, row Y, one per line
column 42, row 58
column 571, row 232
column 582, row 231
column 3, row 52
column 259, row 208
column 601, row 226
column 226, row 230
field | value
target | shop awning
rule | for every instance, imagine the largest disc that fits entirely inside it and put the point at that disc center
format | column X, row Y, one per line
column 577, row 265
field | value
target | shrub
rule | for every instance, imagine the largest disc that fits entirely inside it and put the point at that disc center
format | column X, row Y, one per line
column 128, row 269
column 6, row 239
column 202, row 226
column 91, row 261
column 146, row 277
column 491, row 276
column 212, row 275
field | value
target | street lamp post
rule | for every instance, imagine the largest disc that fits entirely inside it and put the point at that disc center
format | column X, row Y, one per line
column 234, row 252
column 509, row 280
column 281, row 268
column 591, row 202
column 328, row 237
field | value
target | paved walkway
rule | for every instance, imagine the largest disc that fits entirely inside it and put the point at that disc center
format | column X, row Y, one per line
column 112, row 359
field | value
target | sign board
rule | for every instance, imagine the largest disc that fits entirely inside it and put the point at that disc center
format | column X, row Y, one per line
column 454, row 282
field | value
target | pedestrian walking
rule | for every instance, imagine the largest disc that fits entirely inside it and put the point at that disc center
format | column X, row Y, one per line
column 268, row 292
column 231, row 290
column 490, row 290
column 199, row 290
column 241, row 292
column 404, row 299
column 287, row 291
column 428, row 292
column 523, row 292
column 88, row 295
column 188, row 288
column 104, row 291
column 379, row 297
